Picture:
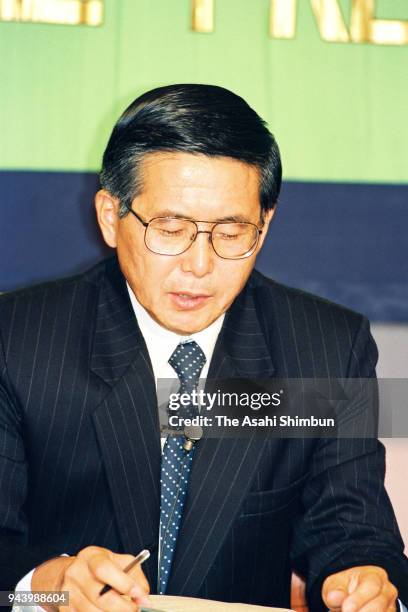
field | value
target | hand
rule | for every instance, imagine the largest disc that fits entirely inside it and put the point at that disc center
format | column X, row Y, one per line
column 360, row 589
column 84, row 575
column 298, row 594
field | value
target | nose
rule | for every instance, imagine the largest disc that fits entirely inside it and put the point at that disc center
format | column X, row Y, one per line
column 199, row 258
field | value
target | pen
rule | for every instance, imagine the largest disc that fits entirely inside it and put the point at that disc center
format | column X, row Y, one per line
column 138, row 560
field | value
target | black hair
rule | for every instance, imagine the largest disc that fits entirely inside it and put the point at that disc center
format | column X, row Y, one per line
column 189, row 118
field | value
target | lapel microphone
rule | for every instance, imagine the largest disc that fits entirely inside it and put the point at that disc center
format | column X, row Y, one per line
column 192, row 434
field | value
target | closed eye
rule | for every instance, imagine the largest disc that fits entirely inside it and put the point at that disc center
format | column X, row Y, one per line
column 227, row 236
column 165, row 232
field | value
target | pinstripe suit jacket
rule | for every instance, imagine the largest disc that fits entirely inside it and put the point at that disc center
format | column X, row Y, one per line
column 80, row 450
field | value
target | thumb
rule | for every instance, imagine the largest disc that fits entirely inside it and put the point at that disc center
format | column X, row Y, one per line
column 335, row 589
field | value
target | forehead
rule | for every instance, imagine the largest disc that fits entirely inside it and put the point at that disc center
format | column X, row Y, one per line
column 189, row 183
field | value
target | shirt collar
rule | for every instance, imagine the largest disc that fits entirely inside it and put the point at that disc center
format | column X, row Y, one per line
column 162, row 342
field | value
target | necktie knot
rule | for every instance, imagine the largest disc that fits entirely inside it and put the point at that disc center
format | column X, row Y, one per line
column 188, row 360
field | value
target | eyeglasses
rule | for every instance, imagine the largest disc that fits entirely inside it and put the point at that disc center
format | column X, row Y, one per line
column 173, row 236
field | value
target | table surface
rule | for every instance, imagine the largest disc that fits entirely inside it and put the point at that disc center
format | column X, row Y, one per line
column 170, row 603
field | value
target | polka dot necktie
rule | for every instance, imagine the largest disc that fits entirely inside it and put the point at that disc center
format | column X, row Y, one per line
column 187, row 360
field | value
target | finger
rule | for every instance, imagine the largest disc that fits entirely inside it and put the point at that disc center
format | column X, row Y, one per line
column 81, row 574
column 82, row 604
column 114, row 602
column 109, row 602
column 378, row 604
column 106, row 571
column 78, row 601
column 335, row 590
column 370, row 585
column 297, row 592
column 137, row 574
column 334, row 599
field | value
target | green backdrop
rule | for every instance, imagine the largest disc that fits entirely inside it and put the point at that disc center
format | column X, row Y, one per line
column 339, row 111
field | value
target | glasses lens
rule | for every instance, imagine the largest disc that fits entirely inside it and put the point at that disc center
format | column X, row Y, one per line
column 234, row 240
column 170, row 236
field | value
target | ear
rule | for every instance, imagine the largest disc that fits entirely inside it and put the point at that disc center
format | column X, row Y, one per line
column 266, row 218
column 107, row 208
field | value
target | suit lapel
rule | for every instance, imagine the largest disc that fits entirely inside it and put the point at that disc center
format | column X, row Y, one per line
column 222, row 468
column 126, row 421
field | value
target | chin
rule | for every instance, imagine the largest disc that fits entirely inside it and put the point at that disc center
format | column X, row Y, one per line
column 186, row 328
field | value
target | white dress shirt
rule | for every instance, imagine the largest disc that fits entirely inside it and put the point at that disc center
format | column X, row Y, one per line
column 161, row 342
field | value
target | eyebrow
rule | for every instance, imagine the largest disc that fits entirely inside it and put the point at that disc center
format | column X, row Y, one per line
column 228, row 219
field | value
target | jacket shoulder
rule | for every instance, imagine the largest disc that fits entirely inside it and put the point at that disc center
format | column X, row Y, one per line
column 295, row 298
column 50, row 308
column 54, row 289
column 311, row 335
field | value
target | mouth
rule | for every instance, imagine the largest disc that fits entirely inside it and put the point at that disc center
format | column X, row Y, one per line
column 184, row 300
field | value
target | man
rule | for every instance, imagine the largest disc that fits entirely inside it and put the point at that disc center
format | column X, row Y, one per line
column 190, row 180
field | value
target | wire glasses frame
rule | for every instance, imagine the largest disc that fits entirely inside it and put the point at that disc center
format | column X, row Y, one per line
column 256, row 233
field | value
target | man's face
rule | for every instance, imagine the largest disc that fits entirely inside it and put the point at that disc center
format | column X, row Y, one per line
column 185, row 293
